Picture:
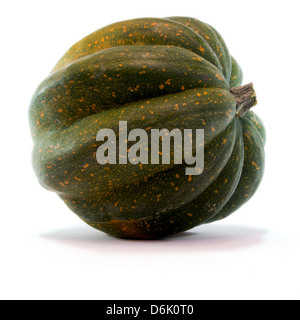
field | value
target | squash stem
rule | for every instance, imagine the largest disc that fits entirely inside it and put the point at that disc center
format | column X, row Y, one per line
column 245, row 97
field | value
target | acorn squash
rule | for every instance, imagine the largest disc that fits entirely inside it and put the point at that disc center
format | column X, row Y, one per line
column 153, row 73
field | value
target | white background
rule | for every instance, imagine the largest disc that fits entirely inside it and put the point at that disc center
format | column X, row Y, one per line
column 48, row 253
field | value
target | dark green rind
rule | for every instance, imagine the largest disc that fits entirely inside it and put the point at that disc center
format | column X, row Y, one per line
column 215, row 42
column 253, row 169
column 214, row 198
column 258, row 124
column 166, row 208
column 236, row 75
column 224, row 46
column 65, row 160
column 114, row 77
column 145, row 31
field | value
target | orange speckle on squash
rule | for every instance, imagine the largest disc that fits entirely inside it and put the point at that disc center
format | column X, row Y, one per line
column 201, row 49
column 255, row 165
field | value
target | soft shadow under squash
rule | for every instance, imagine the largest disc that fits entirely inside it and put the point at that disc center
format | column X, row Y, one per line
column 213, row 237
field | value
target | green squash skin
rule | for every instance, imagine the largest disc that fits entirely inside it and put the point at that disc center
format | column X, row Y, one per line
column 236, row 78
column 115, row 77
column 253, row 167
column 141, row 32
column 153, row 73
column 196, row 211
column 213, row 39
column 121, row 205
column 183, row 110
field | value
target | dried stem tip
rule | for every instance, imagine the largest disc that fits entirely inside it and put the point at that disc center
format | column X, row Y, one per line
column 245, row 97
